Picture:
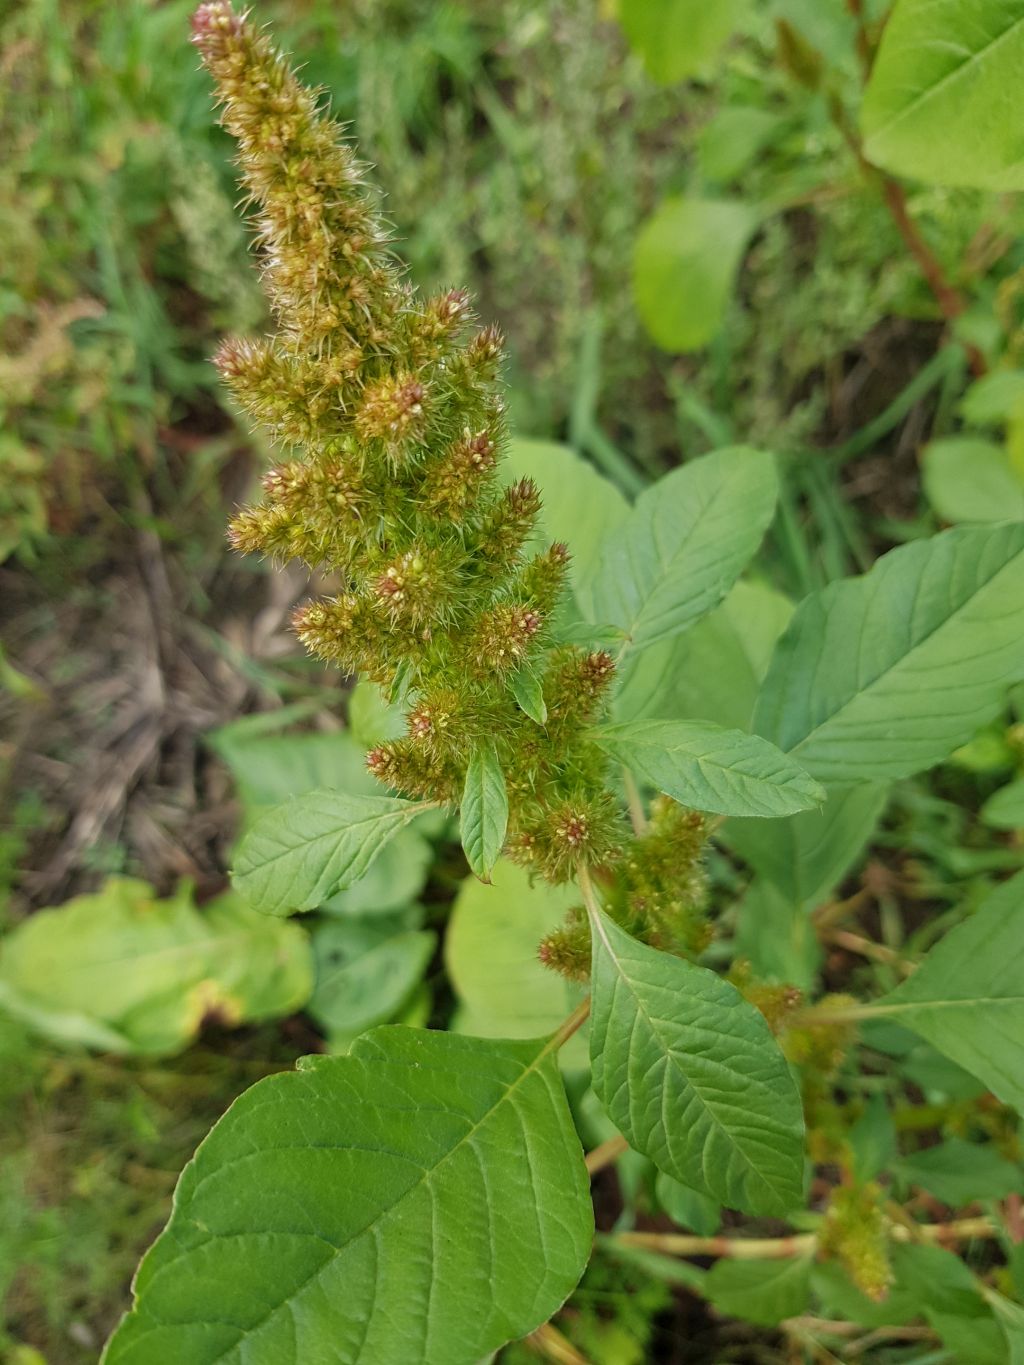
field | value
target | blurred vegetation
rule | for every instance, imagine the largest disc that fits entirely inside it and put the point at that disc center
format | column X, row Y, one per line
column 523, row 148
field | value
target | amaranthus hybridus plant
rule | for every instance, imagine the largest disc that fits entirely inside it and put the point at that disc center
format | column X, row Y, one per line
column 390, row 412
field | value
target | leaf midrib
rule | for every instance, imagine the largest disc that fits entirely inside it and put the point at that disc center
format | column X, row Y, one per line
column 951, row 76
column 990, row 1001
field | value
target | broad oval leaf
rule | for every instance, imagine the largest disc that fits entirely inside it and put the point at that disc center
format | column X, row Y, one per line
column 967, row 478
column 967, row 996
column 994, row 400
column 684, row 265
column 685, row 543
column 1010, row 1317
column 729, row 143
column 423, row 1198
column 394, row 878
column 807, row 855
column 1004, row 809
column 490, row 951
column 714, row 670
column 365, row 972
column 580, row 506
column 777, row 936
column 710, row 768
column 678, row 38
column 122, row 971
column 272, row 764
column 484, row 809
column 301, row 853
column 937, row 106
column 884, row 675
column 690, row 1074
column 686, row 1207
column 959, row 1172
column 765, row 1292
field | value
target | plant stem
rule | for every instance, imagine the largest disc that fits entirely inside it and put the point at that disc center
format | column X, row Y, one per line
column 549, row 1342
column 569, row 1026
column 864, row 1340
column 780, row 1248
column 864, row 947
column 864, row 53
column 735, row 1248
column 834, row 912
column 637, row 814
column 839, row 1014
column 950, row 300
column 606, row 1153
column 587, row 890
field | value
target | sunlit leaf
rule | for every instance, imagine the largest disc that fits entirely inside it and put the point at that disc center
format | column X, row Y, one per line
column 437, row 1173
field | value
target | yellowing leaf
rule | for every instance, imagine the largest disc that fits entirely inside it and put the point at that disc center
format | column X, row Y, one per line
column 125, row 972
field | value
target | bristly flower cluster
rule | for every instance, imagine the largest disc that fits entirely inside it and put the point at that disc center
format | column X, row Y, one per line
column 389, row 413
column 657, row 891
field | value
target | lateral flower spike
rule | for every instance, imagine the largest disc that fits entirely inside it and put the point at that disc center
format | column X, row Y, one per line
column 389, row 414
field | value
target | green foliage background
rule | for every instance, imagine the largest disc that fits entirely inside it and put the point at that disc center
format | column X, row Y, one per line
column 528, row 154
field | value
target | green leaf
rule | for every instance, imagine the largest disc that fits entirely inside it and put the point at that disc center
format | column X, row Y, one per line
column 365, row 975
column 967, row 997
column 730, row 142
column 994, row 399
column 873, row 1140
column 938, row 1278
column 580, row 506
column 884, row 675
column 394, row 878
column 491, row 954
column 372, row 719
column 529, row 693
column 299, row 854
column 691, row 1076
column 807, row 855
column 270, row 768
column 684, row 265
column 1010, row 1317
column 125, row 972
column 944, row 1288
column 484, row 810
column 1005, row 808
column 423, row 1198
column 967, row 478
column 777, row 936
column 978, row 1340
column 678, row 38
column 687, row 1208
column 763, row 1292
column 714, row 670
column 840, row 1298
column 709, row 768
column 829, row 28
column 936, row 107
column 685, row 543
column 959, row 1172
